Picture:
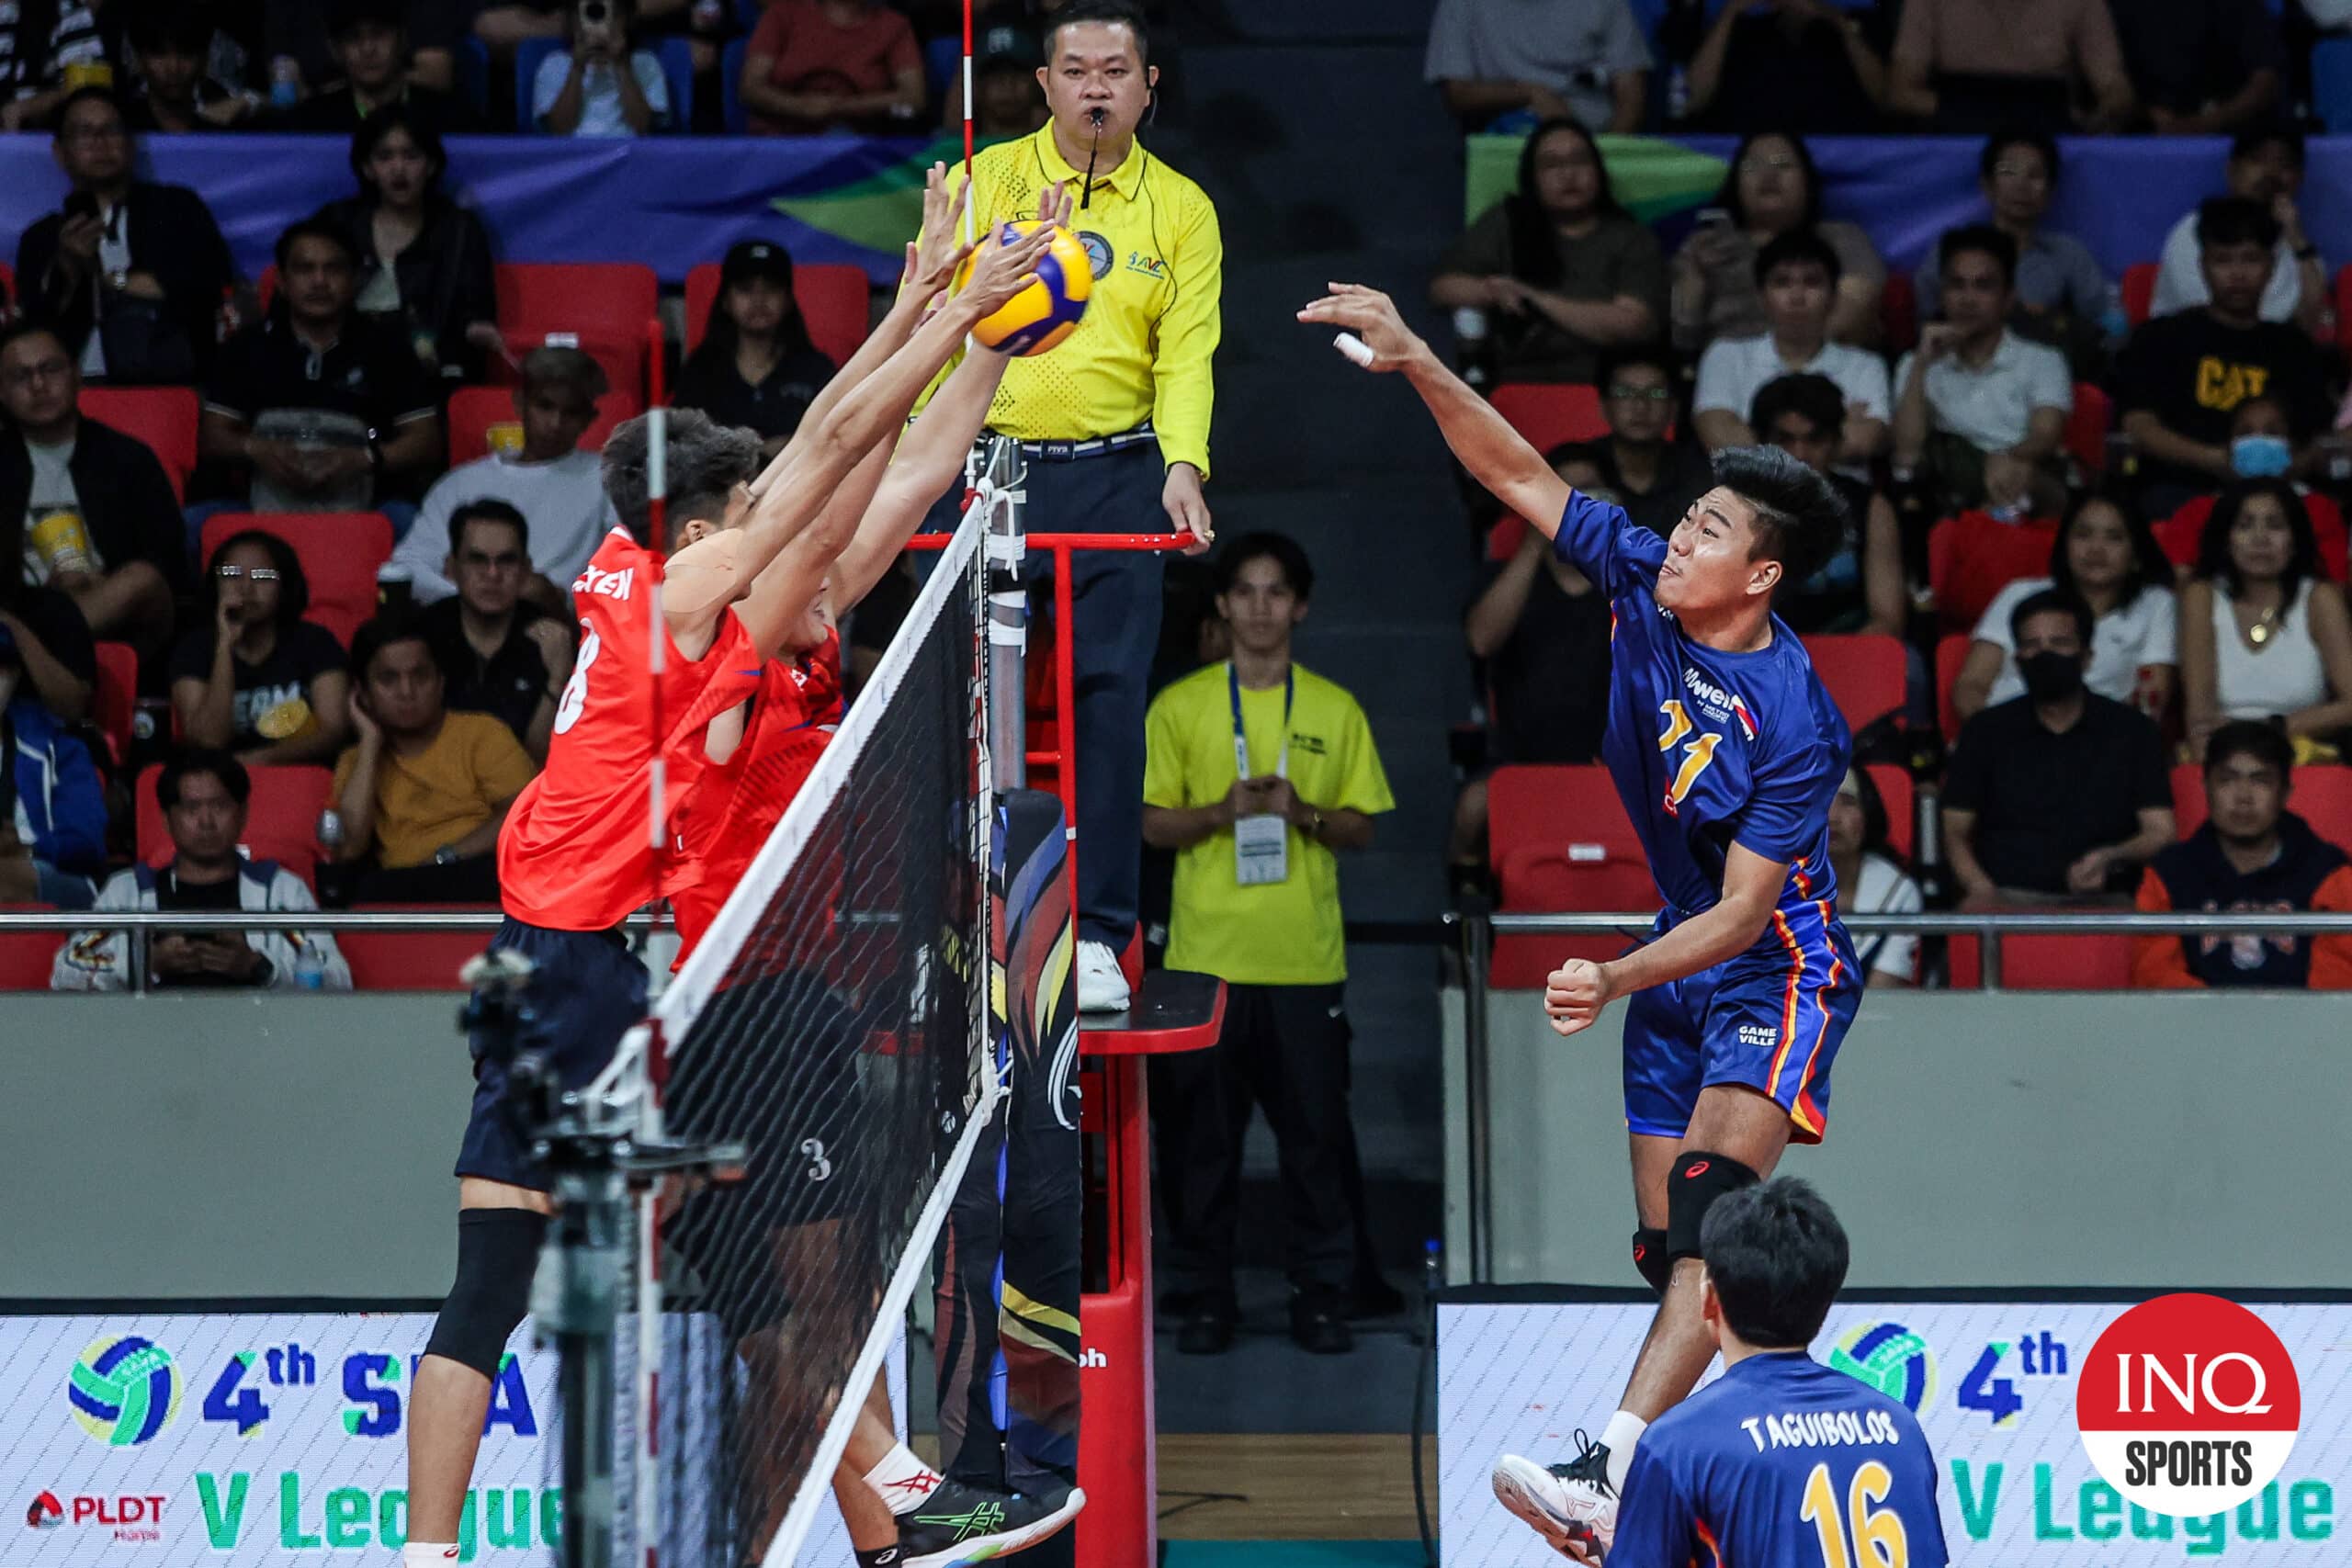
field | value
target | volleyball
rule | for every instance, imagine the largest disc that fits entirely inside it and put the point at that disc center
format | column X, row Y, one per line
column 123, row 1391
column 1048, row 310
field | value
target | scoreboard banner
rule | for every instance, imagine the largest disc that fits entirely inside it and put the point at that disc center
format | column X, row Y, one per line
column 159, row 1440
column 1992, row 1382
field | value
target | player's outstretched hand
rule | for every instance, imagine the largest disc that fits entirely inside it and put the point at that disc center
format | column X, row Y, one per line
column 1575, row 993
column 1372, row 316
column 938, row 249
column 1054, row 204
column 1004, row 271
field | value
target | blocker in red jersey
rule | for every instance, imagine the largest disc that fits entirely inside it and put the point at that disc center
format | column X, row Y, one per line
column 2189, row 1405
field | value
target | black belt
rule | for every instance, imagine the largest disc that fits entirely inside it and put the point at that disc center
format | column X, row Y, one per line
column 1100, row 446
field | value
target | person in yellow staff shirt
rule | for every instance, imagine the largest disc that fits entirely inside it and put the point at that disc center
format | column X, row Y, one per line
column 1114, row 424
column 1258, row 771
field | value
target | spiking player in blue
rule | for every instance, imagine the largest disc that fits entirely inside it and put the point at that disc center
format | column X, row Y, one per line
column 1726, row 753
column 1780, row 1460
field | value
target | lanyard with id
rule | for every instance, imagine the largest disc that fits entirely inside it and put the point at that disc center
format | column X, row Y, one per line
column 1261, row 840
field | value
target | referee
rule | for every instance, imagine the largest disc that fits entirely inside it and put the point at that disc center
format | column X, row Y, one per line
column 1114, row 423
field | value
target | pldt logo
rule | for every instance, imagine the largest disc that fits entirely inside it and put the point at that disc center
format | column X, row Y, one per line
column 130, row 1517
column 46, row 1513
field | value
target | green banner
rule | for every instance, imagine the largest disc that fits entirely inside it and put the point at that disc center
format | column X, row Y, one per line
column 1653, row 176
column 882, row 210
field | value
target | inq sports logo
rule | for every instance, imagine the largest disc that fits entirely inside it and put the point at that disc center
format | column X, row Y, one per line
column 124, row 1390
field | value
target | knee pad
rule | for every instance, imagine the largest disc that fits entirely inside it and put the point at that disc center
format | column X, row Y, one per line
column 498, row 1252
column 1650, row 1257
column 1697, row 1180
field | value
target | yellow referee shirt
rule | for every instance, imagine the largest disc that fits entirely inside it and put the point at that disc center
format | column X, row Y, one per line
column 1151, row 325
column 1280, row 934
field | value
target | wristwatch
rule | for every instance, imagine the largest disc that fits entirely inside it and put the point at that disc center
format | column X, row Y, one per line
column 446, row 855
column 1315, row 825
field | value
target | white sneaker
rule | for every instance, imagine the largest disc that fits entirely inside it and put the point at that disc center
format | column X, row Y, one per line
column 1571, row 1506
column 1101, row 984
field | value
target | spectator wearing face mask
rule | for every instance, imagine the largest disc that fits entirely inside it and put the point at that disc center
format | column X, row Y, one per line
column 2262, row 447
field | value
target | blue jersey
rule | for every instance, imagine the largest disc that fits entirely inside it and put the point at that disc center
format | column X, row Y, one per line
column 1710, row 749
column 1782, row 1463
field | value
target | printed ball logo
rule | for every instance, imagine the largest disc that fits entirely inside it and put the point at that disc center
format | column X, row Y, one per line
column 2189, row 1405
column 123, row 1391
column 1891, row 1358
column 46, row 1512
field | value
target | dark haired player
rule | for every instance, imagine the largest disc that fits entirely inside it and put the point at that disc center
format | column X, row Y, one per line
column 1779, row 1460
column 574, row 857
column 1726, row 753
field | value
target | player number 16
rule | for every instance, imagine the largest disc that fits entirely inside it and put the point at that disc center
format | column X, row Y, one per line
column 1879, row 1540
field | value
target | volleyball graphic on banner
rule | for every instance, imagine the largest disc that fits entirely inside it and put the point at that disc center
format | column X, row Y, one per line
column 123, row 1391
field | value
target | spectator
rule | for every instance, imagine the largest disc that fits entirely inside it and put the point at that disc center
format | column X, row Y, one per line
column 755, row 366
column 425, row 275
column 2105, row 556
column 1805, row 67
column 2251, row 854
column 370, row 40
column 1860, row 588
column 1570, row 273
column 1653, row 477
column 2181, row 377
column 82, row 48
column 310, row 45
column 1541, row 628
column 2203, row 67
column 498, row 653
column 1872, row 879
column 330, row 412
column 132, row 274
column 2061, row 793
column 1497, row 61
column 96, row 512
column 53, row 806
column 1256, row 904
column 549, row 480
column 1980, row 408
column 2058, row 294
column 818, row 66
column 173, row 91
column 1797, row 276
column 1007, row 101
column 250, row 675
column 2263, row 635
column 1773, row 190
column 204, row 796
column 1967, row 67
column 423, row 793
column 2265, row 168
column 599, row 85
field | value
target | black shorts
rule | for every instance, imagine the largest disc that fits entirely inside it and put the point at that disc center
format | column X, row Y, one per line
column 586, row 989
column 772, row 1064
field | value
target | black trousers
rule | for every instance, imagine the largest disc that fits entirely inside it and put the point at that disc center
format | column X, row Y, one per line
column 1286, row 1049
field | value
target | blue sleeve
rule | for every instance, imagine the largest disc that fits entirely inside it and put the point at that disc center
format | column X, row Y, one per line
column 1791, row 801
column 1609, row 548
column 1653, row 1522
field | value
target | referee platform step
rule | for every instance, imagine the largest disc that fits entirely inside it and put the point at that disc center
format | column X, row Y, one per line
column 1168, row 1010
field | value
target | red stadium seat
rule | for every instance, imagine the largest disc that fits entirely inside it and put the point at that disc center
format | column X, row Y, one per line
column 266, row 286
column 1863, row 674
column 1973, row 557
column 2139, row 291
column 1951, row 652
column 601, row 308
column 8, row 289
column 481, row 417
column 2180, row 535
column 115, row 705
column 1902, row 806
column 1898, row 313
column 1549, row 413
column 2049, row 963
column 165, row 418
column 281, row 819
column 1559, row 840
column 2088, row 426
column 339, row 550
column 2320, row 794
column 835, row 300
column 412, row 961
column 26, row 958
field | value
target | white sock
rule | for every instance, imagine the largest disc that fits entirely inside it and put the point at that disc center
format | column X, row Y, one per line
column 901, row 1480
column 1624, row 1430
column 425, row 1554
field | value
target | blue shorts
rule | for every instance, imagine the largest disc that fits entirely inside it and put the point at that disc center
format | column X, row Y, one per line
column 585, row 990
column 1771, row 1019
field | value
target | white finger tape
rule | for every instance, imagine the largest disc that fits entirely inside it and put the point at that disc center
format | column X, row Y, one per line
column 1354, row 347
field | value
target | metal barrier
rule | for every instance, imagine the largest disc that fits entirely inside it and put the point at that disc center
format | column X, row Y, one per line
column 1475, row 930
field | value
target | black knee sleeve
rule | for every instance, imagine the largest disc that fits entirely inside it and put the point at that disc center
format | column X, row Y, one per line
column 498, row 1252
column 1650, row 1257
column 1697, row 1180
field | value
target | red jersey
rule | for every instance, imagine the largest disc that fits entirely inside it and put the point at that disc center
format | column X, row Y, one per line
column 736, row 804
column 575, row 853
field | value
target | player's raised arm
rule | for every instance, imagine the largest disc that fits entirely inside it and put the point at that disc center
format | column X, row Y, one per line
column 1496, row 455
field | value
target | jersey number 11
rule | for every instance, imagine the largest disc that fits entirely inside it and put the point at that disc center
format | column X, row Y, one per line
column 1697, row 752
